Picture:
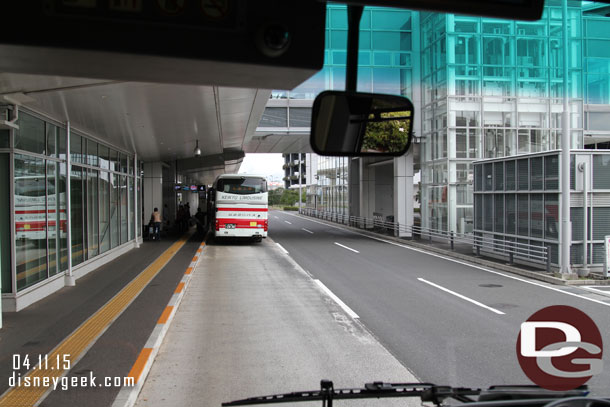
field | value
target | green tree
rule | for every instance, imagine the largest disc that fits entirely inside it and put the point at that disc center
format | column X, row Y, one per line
column 387, row 135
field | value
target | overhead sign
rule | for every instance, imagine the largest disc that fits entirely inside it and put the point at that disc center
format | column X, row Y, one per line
column 201, row 188
column 194, row 188
column 177, row 187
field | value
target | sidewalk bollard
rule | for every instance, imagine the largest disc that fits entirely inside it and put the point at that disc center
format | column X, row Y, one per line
column 451, row 240
column 548, row 259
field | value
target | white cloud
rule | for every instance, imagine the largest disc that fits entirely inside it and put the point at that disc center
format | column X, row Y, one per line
column 263, row 164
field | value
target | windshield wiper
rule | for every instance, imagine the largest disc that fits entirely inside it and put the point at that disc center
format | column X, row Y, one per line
column 327, row 393
column 495, row 396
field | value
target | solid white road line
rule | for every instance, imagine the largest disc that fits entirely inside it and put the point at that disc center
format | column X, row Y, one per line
column 461, row 296
column 281, row 248
column 348, row 248
column 275, row 217
column 288, row 222
column 307, row 230
column 459, row 262
column 347, row 309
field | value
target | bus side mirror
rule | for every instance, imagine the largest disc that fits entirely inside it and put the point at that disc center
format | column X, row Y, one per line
column 361, row 124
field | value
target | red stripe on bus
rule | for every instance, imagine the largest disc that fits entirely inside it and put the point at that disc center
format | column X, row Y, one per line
column 242, row 223
column 243, row 209
column 38, row 211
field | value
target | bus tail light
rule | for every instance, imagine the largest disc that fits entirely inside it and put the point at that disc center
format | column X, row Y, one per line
column 266, row 225
column 217, row 225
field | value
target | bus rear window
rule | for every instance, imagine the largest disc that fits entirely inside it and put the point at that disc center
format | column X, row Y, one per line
column 242, row 186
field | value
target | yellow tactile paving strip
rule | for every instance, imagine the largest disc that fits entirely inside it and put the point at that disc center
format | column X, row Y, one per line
column 84, row 336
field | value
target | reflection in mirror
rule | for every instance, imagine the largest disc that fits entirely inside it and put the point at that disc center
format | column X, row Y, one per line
column 354, row 124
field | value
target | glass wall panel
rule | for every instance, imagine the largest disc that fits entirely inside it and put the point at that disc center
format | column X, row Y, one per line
column 551, row 216
column 76, row 148
column 536, row 215
column 62, row 139
column 139, row 208
column 123, row 204
column 115, row 210
column 537, row 174
column 601, row 169
column 488, row 212
column 131, row 209
column 5, row 232
column 551, row 172
column 511, row 214
column 510, row 176
column 92, row 214
column 77, row 214
column 104, row 157
column 5, row 139
column 30, row 220
column 52, row 141
column 31, row 134
column 104, row 211
column 522, row 215
column 523, row 173
column 123, row 159
column 56, row 216
column 499, row 219
column 92, row 153
column 601, row 222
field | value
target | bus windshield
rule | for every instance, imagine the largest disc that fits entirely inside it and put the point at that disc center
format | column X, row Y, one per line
column 242, row 186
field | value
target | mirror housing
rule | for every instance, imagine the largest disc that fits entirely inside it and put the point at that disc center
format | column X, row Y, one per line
column 361, row 124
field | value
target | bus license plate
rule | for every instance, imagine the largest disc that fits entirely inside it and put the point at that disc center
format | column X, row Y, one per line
column 230, row 226
column 252, row 223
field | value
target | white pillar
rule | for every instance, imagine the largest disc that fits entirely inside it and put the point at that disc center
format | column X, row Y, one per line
column 403, row 193
column 69, row 279
column 136, row 176
column 367, row 190
column 152, row 184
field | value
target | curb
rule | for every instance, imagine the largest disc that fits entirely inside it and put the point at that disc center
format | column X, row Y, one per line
column 470, row 259
column 128, row 396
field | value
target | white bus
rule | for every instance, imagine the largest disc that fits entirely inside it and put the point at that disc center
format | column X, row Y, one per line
column 31, row 210
column 238, row 204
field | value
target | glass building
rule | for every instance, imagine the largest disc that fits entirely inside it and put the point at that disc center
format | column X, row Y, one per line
column 482, row 89
column 494, row 88
column 385, row 66
column 72, row 201
column 519, row 200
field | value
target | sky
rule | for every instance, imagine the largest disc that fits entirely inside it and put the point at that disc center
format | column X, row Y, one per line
column 263, row 164
column 271, row 164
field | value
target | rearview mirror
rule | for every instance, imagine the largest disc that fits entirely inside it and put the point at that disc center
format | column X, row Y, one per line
column 360, row 124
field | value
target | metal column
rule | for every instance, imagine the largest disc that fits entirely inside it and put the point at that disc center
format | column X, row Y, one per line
column 69, row 276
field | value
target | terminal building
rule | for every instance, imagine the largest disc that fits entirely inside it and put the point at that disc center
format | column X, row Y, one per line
column 482, row 88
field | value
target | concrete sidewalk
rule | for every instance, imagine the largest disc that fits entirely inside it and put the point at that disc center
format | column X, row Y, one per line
column 252, row 323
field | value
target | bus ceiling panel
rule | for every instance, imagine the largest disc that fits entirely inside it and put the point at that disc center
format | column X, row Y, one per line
column 256, row 44
column 510, row 9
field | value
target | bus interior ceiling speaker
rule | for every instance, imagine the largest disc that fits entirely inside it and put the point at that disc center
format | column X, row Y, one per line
column 197, row 150
column 350, row 123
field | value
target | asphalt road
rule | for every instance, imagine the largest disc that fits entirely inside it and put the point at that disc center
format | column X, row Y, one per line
column 446, row 321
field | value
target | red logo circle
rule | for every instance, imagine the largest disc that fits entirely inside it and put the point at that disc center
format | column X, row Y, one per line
column 559, row 348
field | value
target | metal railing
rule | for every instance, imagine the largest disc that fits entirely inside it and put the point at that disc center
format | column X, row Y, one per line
column 538, row 255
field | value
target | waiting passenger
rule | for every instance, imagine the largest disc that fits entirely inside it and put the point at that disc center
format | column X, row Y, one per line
column 156, row 219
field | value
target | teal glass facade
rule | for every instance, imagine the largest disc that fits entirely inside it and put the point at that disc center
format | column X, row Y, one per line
column 482, row 88
column 494, row 88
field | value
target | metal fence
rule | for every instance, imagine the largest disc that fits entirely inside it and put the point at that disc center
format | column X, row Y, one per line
column 539, row 256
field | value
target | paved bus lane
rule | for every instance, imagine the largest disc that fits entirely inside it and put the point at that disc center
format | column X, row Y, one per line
column 424, row 307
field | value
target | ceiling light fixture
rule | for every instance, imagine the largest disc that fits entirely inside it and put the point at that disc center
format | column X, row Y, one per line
column 197, row 150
